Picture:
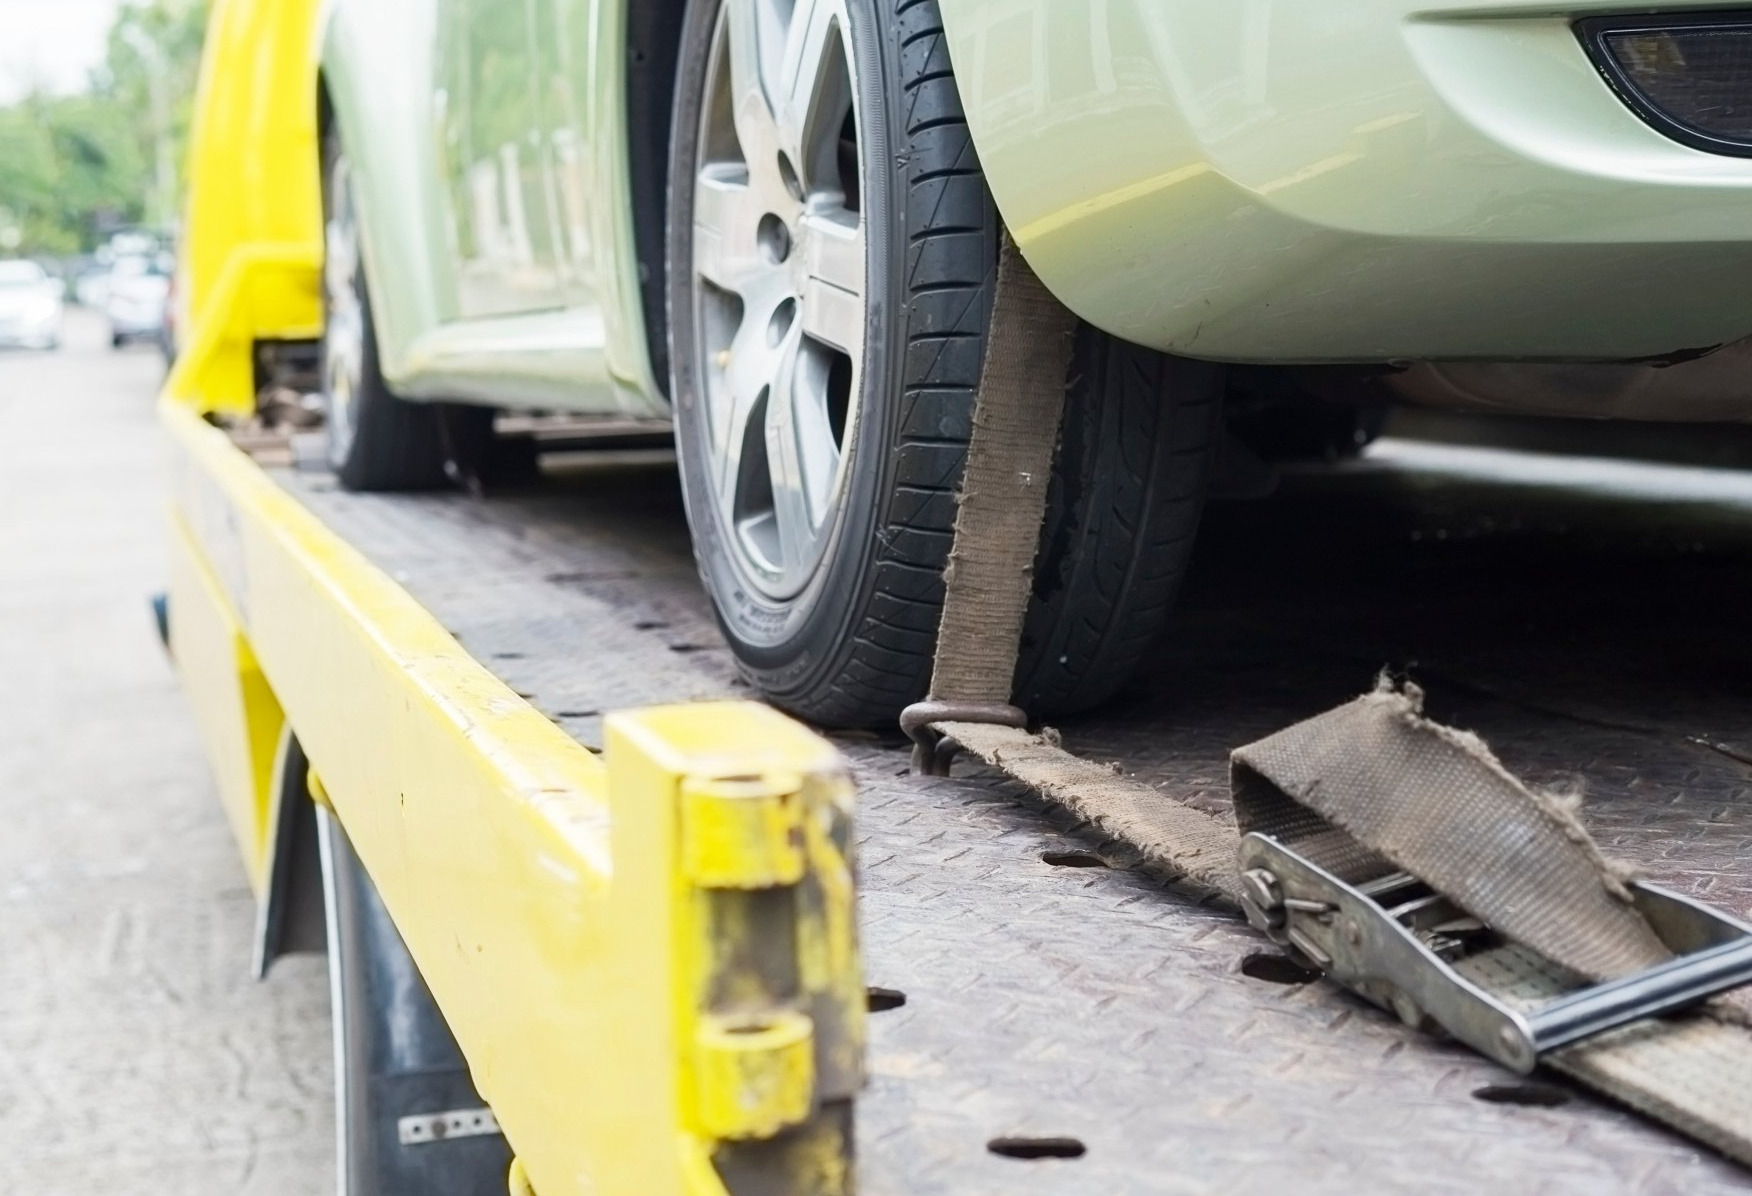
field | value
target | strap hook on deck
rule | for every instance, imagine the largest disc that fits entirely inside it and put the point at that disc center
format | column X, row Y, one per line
column 933, row 751
column 1000, row 509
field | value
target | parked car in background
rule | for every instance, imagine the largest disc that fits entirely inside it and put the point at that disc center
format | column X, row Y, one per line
column 31, row 306
column 139, row 292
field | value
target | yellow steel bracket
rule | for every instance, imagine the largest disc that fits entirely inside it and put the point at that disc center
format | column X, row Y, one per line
column 765, row 985
column 649, row 960
column 252, row 249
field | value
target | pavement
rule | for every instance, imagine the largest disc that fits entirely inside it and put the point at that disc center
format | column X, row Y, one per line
column 137, row 1055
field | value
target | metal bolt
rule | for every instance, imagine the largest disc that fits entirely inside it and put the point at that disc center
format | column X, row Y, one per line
column 1353, row 934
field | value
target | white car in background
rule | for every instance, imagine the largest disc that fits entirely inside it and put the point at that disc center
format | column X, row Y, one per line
column 31, row 306
column 139, row 289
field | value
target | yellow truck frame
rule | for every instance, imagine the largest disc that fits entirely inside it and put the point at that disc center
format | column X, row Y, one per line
column 582, row 921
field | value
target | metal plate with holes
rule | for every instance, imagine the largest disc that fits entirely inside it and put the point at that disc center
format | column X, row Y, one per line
column 1052, row 1024
column 425, row 1128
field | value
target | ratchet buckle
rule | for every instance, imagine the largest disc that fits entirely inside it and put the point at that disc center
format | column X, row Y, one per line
column 1394, row 941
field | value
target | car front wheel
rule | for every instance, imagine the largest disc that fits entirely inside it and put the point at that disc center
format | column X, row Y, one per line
column 832, row 250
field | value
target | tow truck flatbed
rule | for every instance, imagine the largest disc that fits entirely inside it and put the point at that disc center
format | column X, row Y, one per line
column 1056, row 997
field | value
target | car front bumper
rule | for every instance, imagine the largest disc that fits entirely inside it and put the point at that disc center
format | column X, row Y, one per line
column 1314, row 181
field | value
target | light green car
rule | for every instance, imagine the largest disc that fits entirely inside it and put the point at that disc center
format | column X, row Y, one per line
column 775, row 222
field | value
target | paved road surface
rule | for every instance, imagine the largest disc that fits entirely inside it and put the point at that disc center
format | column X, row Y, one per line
column 137, row 1057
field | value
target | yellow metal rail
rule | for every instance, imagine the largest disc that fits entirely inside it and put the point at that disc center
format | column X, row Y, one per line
column 648, row 958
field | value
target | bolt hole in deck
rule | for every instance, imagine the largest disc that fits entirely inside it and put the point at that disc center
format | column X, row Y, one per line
column 1276, row 969
column 881, row 1000
column 1037, row 1148
column 1072, row 859
column 1533, row 1096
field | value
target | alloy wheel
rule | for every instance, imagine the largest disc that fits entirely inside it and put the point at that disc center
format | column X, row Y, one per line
column 779, row 280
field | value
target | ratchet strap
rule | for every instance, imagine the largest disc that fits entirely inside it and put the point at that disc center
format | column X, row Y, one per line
column 1510, row 911
column 1373, row 781
column 1000, row 509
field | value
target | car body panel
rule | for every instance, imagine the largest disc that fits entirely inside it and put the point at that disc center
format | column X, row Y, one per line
column 1286, row 181
column 588, row 116
column 383, row 107
column 559, row 355
column 488, row 109
column 489, row 168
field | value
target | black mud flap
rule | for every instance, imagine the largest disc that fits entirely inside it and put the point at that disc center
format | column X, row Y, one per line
column 408, row 1119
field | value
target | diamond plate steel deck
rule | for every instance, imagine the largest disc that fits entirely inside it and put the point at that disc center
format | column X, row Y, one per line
column 1590, row 628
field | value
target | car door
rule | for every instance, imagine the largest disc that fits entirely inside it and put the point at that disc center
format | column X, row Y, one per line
column 498, row 159
column 587, row 98
column 486, row 138
column 563, row 75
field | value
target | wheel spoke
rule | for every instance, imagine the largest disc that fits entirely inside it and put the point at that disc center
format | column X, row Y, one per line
column 340, row 242
column 818, row 449
column 790, row 490
column 833, row 298
column 811, row 98
column 752, row 30
column 337, row 264
column 748, row 369
column 726, row 216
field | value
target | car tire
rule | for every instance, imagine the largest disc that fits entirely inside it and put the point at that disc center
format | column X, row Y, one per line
column 1141, row 430
column 376, row 439
column 852, row 643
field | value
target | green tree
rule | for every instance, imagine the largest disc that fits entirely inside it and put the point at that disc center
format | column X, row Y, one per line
column 150, row 69
column 73, row 167
column 67, row 164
